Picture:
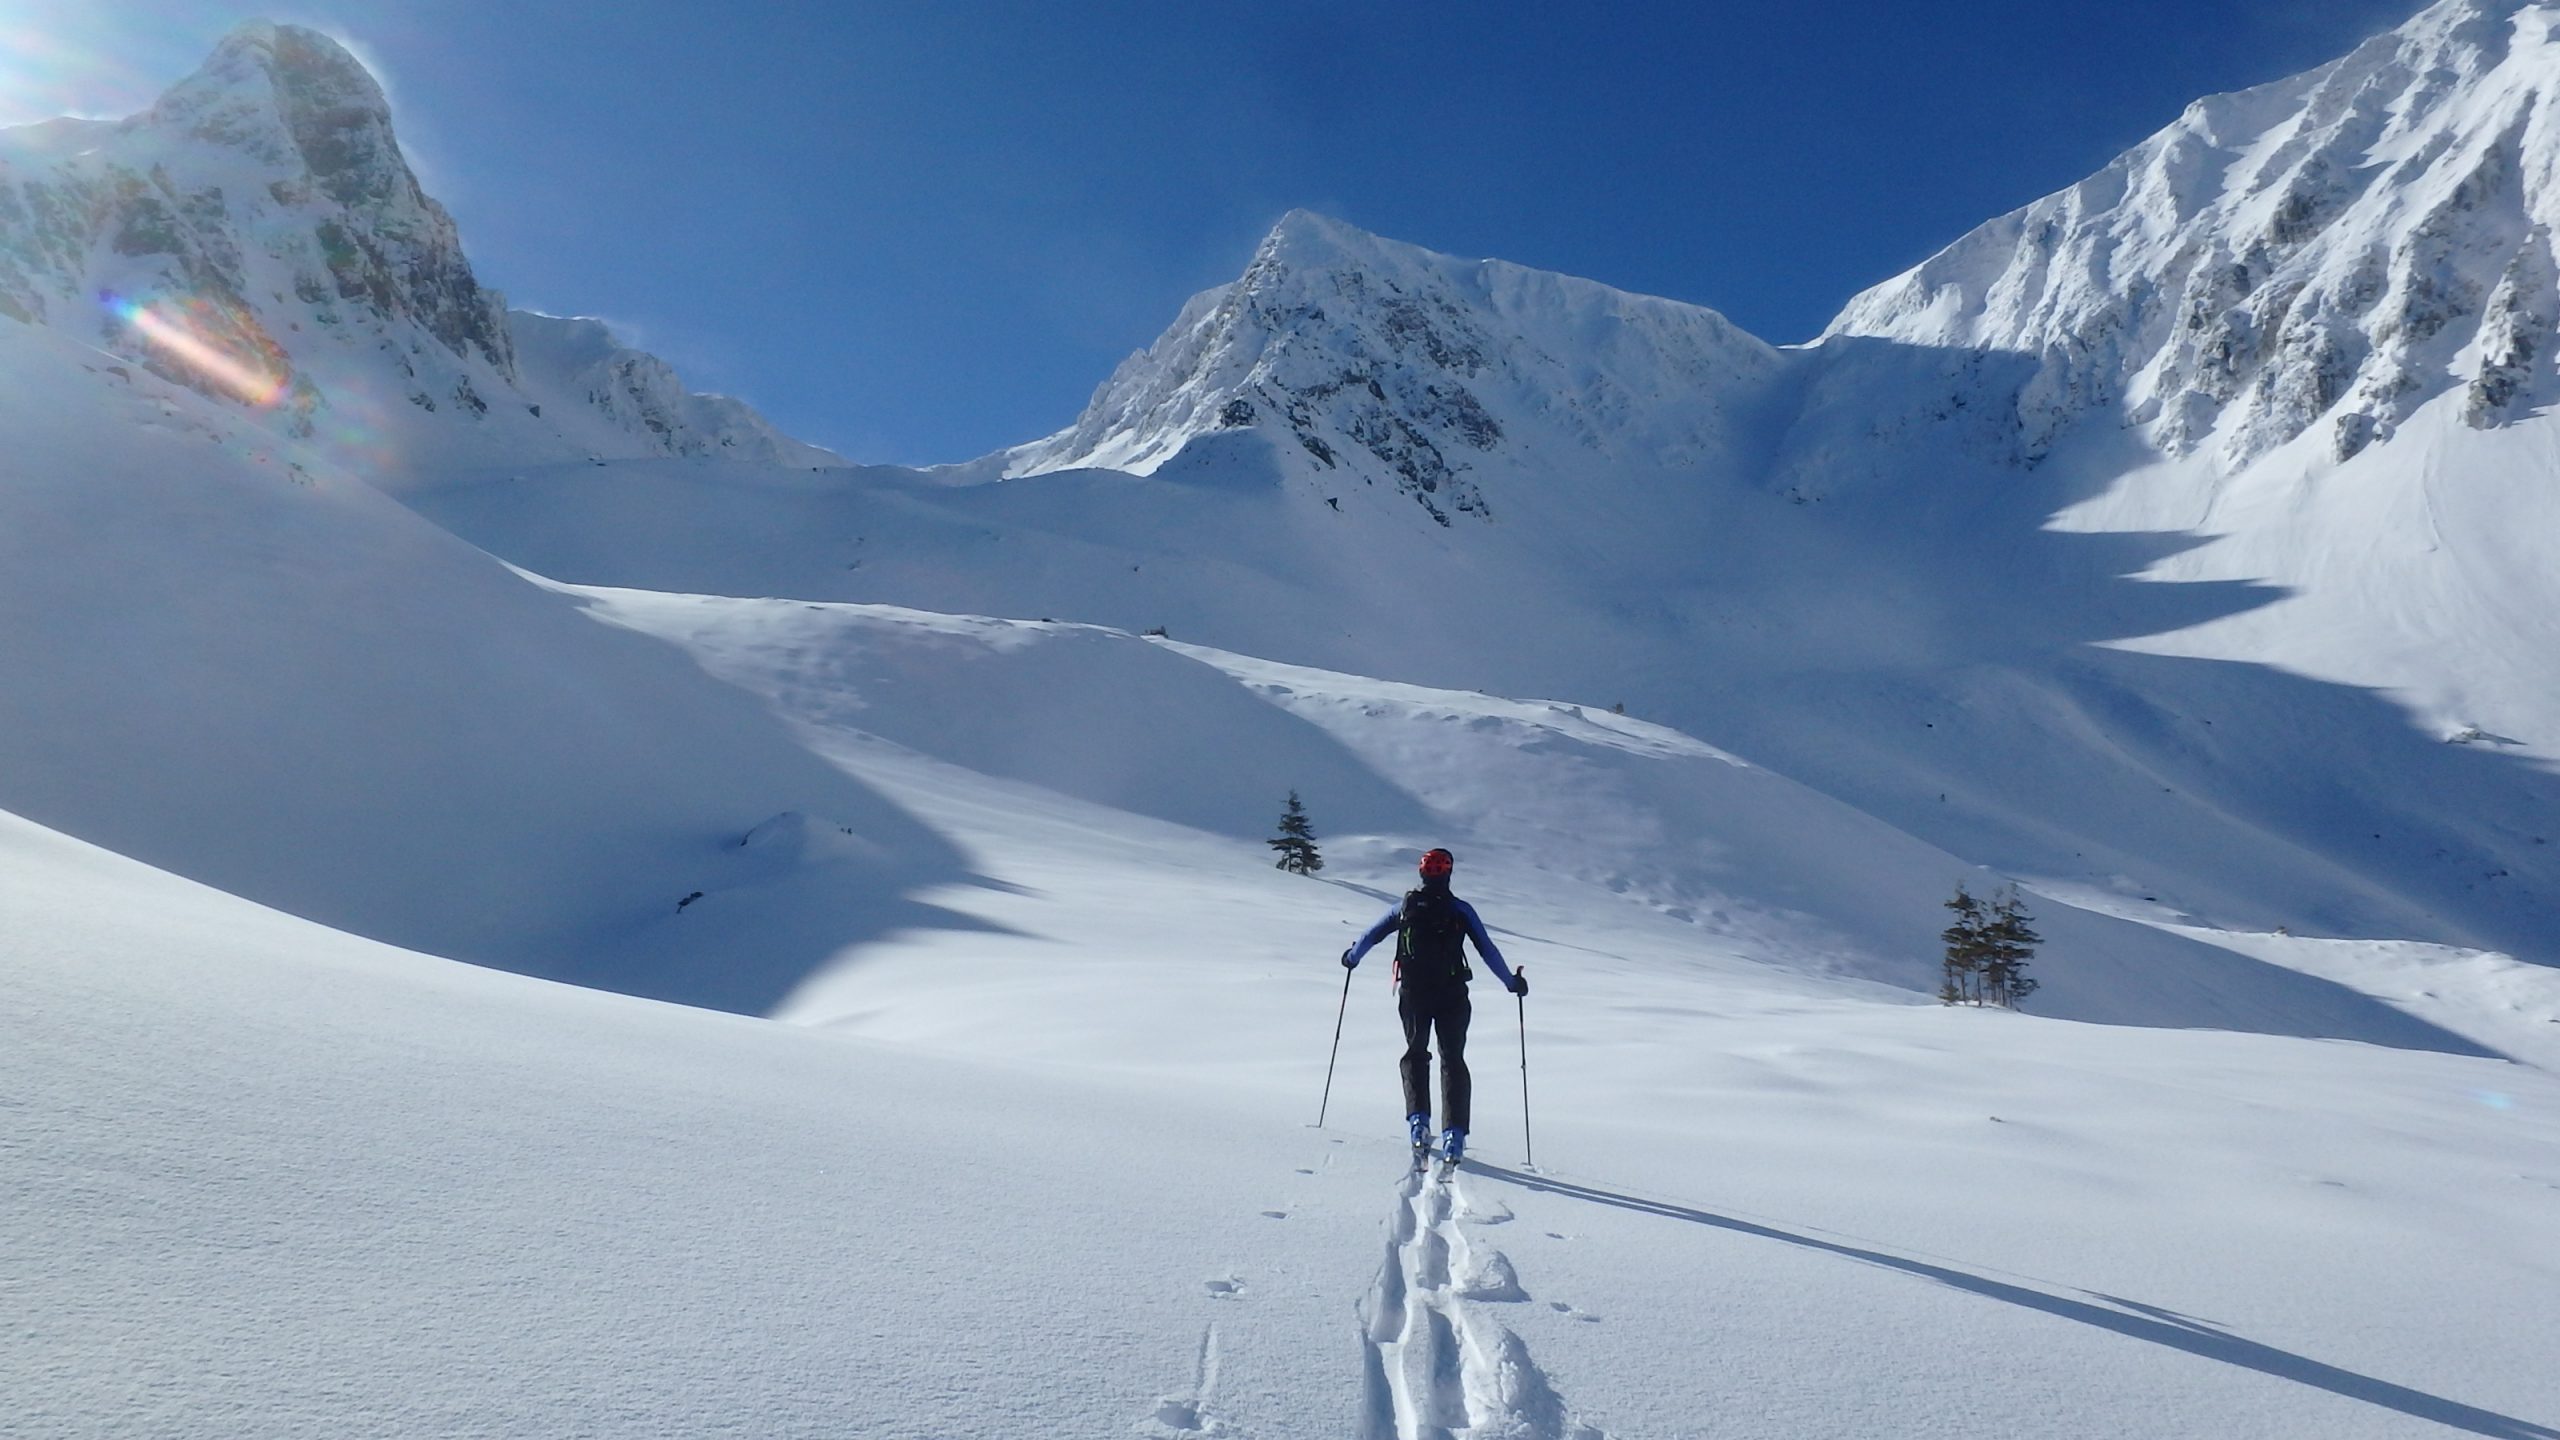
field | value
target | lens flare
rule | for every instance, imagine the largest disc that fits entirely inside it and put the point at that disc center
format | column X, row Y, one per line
column 211, row 344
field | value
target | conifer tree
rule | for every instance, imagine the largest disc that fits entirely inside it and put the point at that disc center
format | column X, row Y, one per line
column 2007, row 943
column 1296, row 841
column 1961, row 982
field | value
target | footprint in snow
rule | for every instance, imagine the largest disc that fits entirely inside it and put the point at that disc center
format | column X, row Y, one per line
column 1275, row 1214
column 1561, row 1308
column 1225, row 1288
column 1490, row 1277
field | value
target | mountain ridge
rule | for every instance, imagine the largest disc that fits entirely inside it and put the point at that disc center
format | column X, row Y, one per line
column 2339, row 245
column 2319, row 251
column 1552, row 487
column 2237, row 673
column 1363, row 354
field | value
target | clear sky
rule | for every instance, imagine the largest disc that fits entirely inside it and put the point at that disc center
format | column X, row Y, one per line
column 920, row 231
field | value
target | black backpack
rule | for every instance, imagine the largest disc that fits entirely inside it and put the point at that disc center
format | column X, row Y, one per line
column 1431, row 943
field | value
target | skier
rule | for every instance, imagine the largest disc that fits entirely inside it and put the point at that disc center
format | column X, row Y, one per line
column 1431, row 927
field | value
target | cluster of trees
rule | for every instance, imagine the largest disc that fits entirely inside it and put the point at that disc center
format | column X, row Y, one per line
column 1987, row 950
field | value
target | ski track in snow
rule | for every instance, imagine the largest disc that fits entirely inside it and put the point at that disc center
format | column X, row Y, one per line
column 1183, row 1417
column 1438, row 1365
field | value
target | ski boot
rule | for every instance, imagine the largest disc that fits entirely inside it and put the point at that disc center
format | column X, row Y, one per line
column 1419, row 1126
column 1453, row 1147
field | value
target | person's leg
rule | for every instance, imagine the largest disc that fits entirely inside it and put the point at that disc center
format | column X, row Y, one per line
column 1457, row 1088
column 1413, row 1007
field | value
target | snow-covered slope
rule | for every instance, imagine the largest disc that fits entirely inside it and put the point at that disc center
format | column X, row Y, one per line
column 1718, row 665
column 2330, row 250
column 258, row 234
column 1058, row 1177
column 484, row 772
column 233, row 660
column 1961, row 564
column 1365, row 361
column 1930, row 653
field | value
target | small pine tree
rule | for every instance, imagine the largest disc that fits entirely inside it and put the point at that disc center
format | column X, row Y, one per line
column 2008, row 943
column 1961, row 979
column 1296, row 841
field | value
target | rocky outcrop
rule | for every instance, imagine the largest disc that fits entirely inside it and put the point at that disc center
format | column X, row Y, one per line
column 2317, row 255
column 258, row 234
column 1368, row 361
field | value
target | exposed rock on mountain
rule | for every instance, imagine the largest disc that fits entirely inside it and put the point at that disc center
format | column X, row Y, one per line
column 1363, row 357
column 574, row 364
column 2330, row 250
column 2324, row 253
column 258, row 235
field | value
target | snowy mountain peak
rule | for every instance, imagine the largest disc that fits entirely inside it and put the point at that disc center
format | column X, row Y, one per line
column 292, row 95
column 1309, row 237
column 258, row 235
column 2323, row 253
column 1364, row 358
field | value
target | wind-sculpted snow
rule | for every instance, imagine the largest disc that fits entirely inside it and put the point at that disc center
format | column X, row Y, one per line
column 258, row 234
column 2330, row 250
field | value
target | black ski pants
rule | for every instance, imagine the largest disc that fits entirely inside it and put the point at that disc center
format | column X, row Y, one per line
column 1436, row 1007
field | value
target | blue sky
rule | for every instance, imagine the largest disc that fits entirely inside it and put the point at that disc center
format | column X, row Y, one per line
column 920, row 231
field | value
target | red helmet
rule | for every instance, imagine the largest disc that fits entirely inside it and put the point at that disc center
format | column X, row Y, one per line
column 1436, row 864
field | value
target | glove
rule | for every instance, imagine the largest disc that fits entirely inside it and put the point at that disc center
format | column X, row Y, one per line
column 1350, row 961
column 1519, row 982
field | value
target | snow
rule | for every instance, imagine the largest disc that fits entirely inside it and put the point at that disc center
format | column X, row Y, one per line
column 346, row 1188
column 941, row 1050
column 2334, row 247
column 265, row 675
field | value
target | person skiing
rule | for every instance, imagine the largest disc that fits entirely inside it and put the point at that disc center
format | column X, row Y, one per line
column 1431, row 927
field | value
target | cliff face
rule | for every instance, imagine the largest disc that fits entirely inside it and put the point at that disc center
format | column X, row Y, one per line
column 258, row 234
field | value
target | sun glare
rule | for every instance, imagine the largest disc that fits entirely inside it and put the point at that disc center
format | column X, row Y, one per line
column 182, row 334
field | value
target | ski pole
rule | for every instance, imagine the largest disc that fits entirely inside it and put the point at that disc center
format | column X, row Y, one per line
column 1523, row 1002
column 1336, row 1052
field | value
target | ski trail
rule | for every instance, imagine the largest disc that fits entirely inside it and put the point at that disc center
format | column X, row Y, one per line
column 1436, row 1363
column 1178, row 1417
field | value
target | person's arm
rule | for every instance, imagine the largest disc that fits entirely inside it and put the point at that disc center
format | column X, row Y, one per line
column 1485, row 947
column 1385, row 927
